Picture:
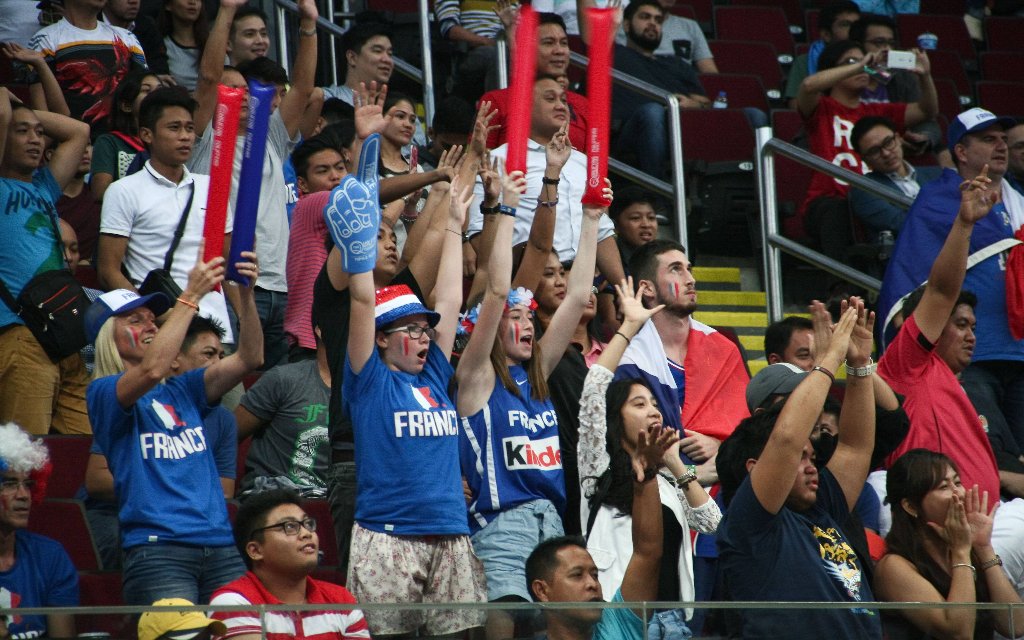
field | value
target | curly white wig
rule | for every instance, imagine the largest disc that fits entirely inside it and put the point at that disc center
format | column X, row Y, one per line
column 19, row 452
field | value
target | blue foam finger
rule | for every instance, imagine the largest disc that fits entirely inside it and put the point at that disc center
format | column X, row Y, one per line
column 352, row 213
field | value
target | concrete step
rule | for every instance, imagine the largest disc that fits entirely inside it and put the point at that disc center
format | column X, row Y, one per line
column 711, row 300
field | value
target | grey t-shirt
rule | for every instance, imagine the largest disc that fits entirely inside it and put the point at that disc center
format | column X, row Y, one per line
column 292, row 451
column 272, row 220
column 679, row 37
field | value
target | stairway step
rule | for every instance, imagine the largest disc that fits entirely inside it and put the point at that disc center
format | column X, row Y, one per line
column 717, row 274
column 753, row 343
column 733, row 318
column 730, row 299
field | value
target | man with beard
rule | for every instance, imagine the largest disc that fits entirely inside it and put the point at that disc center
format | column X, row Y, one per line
column 641, row 120
column 705, row 406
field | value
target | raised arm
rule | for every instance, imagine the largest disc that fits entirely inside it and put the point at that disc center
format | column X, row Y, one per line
column 927, row 106
column 815, row 84
column 222, row 376
column 448, row 288
column 577, row 293
column 640, row 580
column 156, row 363
column 293, row 105
column 72, row 138
column 211, row 65
column 772, row 476
column 950, row 266
column 423, row 247
column 475, row 374
column 851, row 461
column 542, row 231
column 52, row 93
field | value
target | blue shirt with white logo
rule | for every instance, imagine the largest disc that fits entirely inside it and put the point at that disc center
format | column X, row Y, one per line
column 406, row 448
column 510, row 452
column 165, row 474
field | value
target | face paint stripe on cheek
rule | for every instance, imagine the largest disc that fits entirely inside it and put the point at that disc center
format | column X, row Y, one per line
column 134, row 335
column 675, row 290
column 405, row 345
column 515, row 333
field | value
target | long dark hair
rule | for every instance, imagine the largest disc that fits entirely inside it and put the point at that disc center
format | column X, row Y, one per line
column 615, row 485
column 200, row 28
column 910, row 478
column 126, row 92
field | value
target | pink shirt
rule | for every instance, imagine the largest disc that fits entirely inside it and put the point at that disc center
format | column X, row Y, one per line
column 306, row 256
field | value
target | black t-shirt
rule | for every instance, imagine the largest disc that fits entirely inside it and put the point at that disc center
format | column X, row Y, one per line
column 667, row 72
column 566, row 386
column 331, row 313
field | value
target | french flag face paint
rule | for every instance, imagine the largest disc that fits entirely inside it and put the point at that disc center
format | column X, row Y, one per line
column 134, row 336
column 515, row 332
column 675, row 290
column 405, row 345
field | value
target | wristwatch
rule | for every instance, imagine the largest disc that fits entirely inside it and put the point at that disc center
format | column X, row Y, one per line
column 691, row 474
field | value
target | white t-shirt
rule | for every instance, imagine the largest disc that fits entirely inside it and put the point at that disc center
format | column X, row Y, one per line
column 146, row 207
column 272, row 218
column 569, row 211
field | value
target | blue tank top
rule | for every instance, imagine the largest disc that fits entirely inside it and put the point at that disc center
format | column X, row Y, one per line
column 510, row 452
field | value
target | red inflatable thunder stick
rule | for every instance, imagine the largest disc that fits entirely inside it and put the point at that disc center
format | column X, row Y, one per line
column 599, row 94
column 222, row 162
column 524, row 63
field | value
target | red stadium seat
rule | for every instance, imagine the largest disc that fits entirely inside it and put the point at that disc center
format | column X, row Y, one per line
column 786, row 124
column 69, row 456
column 757, row 24
column 949, row 98
column 1004, row 34
column 792, row 8
column 321, row 510
column 1001, row 98
column 683, row 11
column 741, row 90
column 947, row 64
column 64, row 521
column 733, row 139
column 704, row 10
column 811, row 21
column 1005, row 66
column 757, row 58
column 951, row 31
column 103, row 589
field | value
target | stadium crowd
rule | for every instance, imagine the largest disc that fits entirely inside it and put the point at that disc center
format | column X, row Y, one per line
column 433, row 378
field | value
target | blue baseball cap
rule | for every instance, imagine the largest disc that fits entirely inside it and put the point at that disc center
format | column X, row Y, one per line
column 976, row 119
column 114, row 303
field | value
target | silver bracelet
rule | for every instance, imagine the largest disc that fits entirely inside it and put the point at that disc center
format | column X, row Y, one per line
column 862, row 372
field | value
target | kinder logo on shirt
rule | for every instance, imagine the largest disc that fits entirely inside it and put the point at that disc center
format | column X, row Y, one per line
column 521, row 453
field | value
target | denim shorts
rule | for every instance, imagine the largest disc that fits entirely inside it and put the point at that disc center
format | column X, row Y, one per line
column 505, row 543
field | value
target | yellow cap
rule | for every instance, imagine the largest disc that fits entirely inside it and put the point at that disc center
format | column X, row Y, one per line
column 154, row 624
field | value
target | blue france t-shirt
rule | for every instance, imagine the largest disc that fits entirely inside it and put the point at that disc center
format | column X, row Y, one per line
column 406, row 448
column 42, row 576
column 27, row 243
column 795, row 556
column 165, row 473
column 510, row 452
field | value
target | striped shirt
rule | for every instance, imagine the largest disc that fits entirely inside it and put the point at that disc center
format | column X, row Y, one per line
column 474, row 15
column 285, row 625
column 306, row 256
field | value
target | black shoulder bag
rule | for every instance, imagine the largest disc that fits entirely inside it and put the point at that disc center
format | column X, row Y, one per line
column 52, row 305
column 160, row 280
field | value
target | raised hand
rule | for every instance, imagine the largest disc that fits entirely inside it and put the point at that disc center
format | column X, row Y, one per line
column 559, row 148
column 18, row 53
column 369, row 106
column 979, row 516
column 922, row 65
column 651, row 446
column 450, row 162
column 490, row 176
column 507, row 11
column 352, row 213
column 596, row 211
column 308, row 10
column 630, row 304
column 482, row 128
column 513, row 185
column 831, row 343
column 204, row 276
column 248, row 267
column 956, row 531
column 861, row 338
column 461, row 198
column 976, row 200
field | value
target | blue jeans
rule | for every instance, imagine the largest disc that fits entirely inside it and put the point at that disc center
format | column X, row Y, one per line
column 270, row 307
column 668, row 625
column 161, row 570
column 505, row 543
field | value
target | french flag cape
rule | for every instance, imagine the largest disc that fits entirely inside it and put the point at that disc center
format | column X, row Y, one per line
column 924, row 232
column 716, row 380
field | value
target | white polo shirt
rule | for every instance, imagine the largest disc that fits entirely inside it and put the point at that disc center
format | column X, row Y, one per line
column 146, row 207
column 568, row 213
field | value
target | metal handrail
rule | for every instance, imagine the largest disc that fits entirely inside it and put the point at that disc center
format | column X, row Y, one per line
column 424, row 76
column 675, row 191
column 774, row 242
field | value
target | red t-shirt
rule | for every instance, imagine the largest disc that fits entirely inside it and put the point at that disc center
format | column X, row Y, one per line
column 578, row 110
column 828, row 131
column 942, row 418
column 287, row 625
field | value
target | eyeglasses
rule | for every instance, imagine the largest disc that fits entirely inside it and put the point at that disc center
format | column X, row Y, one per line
column 415, row 331
column 291, row 527
column 882, row 42
column 889, row 144
column 10, row 486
